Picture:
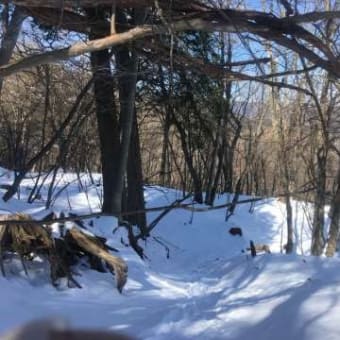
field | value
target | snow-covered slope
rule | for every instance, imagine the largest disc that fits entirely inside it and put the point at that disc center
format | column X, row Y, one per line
column 207, row 288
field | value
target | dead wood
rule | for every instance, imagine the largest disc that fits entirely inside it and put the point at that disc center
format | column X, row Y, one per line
column 79, row 222
column 33, row 239
column 258, row 248
column 91, row 245
column 168, row 208
column 23, row 240
column 252, row 249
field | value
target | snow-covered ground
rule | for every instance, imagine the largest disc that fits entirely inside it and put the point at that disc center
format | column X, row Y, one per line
column 207, row 288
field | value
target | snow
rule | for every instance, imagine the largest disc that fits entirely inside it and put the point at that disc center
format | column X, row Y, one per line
column 207, row 288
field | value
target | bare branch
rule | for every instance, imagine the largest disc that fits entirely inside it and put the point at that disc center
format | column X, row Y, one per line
column 113, row 18
column 311, row 17
column 75, row 50
column 248, row 62
column 287, row 73
column 262, row 24
column 287, row 6
column 217, row 71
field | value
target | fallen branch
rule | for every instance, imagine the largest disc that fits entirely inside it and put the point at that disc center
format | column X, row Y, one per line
column 117, row 264
column 175, row 205
column 164, row 245
column 62, row 253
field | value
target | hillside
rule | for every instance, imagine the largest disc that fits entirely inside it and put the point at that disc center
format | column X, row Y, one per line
column 207, row 288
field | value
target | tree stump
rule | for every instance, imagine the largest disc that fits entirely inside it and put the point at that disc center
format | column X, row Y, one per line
column 33, row 239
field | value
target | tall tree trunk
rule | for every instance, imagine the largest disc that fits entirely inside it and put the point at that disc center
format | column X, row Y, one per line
column 238, row 190
column 115, row 136
column 165, row 156
column 287, row 180
column 126, row 62
column 127, row 67
column 165, row 161
column 228, row 169
column 219, row 145
column 209, row 198
column 319, row 205
column 11, row 33
column 107, row 121
column 335, row 220
column 198, row 196
column 285, row 174
column 289, row 220
column 217, row 179
column 135, row 192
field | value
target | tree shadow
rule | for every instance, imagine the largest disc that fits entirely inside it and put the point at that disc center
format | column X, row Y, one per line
column 285, row 320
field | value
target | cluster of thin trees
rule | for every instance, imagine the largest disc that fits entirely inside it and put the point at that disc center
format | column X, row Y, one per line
column 183, row 108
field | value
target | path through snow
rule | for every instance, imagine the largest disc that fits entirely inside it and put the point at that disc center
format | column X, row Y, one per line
column 208, row 289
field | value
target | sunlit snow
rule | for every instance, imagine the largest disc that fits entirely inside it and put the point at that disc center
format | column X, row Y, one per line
column 207, row 289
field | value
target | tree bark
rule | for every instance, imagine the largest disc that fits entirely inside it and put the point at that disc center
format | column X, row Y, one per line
column 135, row 192
column 10, row 38
column 318, row 241
column 335, row 221
column 165, row 162
column 108, row 126
column 117, row 264
column 127, row 67
column 289, row 220
column 220, row 142
column 289, row 210
column 197, row 183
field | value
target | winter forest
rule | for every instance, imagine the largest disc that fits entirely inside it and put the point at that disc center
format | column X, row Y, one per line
column 170, row 169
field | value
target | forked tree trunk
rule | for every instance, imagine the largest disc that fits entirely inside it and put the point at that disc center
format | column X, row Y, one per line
column 127, row 67
column 115, row 135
